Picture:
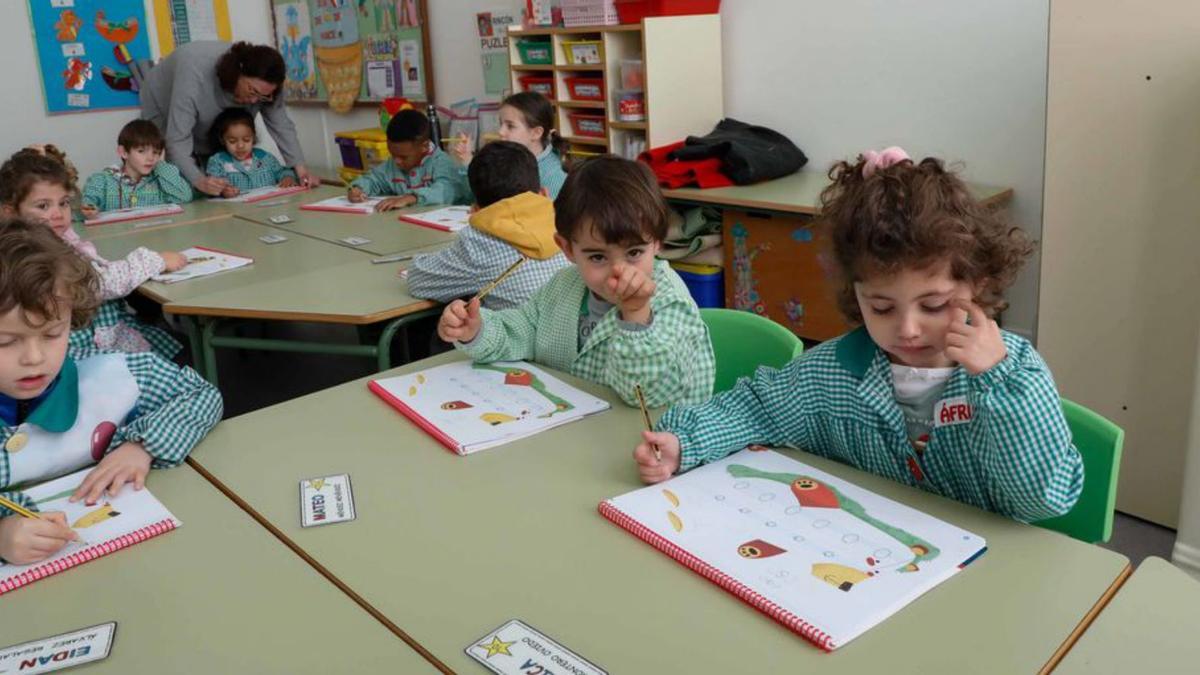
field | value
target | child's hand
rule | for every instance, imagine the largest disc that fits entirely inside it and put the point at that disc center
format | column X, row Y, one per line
column 211, row 185
column 287, row 181
column 460, row 321
column 652, row 469
column 173, row 261
column 976, row 346
column 127, row 464
column 632, row 290
column 356, row 195
column 393, row 203
column 89, row 211
column 460, row 150
column 230, row 191
column 28, row 540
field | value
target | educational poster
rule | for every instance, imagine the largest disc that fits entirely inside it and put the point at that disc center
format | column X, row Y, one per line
column 830, row 553
column 493, row 43
column 84, row 49
column 182, row 21
column 343, row 51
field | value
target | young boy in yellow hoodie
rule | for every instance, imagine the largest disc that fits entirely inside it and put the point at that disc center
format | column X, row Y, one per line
column 511, row 218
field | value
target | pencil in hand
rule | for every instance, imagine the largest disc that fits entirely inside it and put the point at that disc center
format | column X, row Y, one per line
column 503, row 275
column 26, row 513
column 637, row 390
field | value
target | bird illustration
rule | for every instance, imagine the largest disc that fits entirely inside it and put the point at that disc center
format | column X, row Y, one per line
column 456, row 405
column 840, row 577
column 496, row 419
column 96, row 517
column 757, row 548
column 119, row 32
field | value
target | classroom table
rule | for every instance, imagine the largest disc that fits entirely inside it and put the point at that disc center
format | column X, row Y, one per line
column 450, row 547
column 196, row 211
column 218, row 595
column 386, row 232
column 1148, row 627
column 798, row 193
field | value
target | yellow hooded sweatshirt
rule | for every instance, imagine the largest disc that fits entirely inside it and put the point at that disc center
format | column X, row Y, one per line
column 526, row 221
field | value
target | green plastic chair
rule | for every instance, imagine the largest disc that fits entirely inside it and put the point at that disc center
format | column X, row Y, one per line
column 743, row 341
column 1099, row 442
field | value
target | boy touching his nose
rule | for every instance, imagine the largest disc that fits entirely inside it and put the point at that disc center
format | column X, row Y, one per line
column 617, row 316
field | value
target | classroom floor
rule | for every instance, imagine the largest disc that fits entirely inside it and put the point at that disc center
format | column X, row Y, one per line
column 242, row 375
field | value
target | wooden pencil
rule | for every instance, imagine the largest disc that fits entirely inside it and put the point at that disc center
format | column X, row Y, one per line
column 637, row 390
column 26, row 513
column 503, row 275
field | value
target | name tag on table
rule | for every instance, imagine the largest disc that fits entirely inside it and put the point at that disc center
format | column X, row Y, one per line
column 57, row 652
column 356, row 241
column 327, row 500
column 272, row 238
column 280, row 219
column 518, row 648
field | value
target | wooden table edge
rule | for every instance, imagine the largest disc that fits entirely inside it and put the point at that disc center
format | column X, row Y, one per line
column 1087, row 620
column 779, row 207
column 318, row 567
column 313, row 317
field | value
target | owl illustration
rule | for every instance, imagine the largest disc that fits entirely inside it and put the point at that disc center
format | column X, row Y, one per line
column 757, row 548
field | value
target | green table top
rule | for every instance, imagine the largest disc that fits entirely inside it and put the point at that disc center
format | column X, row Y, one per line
column 449, row 547
column 797, row 193
column 1149, row 626
column 272, row 262
column 193, row 212
column 218, row 595
column 388, row 234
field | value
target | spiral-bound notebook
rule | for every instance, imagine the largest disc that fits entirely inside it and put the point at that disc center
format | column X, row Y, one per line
column 449, row 219
column 344, row 205
column 819, row 555
column 122, row 215
column 474, row 406
column 261, row 194
column 112, row 524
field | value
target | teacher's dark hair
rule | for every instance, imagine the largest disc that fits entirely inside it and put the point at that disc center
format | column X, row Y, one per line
column 246, row 60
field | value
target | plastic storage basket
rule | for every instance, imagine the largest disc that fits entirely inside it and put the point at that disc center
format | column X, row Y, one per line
column 589, row 13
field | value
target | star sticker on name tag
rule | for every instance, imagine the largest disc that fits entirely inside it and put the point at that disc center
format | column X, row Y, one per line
column 497, row 646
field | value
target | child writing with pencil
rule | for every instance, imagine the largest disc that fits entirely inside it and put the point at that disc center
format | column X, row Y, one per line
column 929, row 391
column 418, row 174
column 143, row 178
column 242, row 165
column 36, row 184
column 62, row 410
column 617, row 316
column 526, row 118
column 511, row 219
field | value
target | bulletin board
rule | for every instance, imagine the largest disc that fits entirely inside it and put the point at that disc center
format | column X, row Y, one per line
column 84, row 48
column 344, row 52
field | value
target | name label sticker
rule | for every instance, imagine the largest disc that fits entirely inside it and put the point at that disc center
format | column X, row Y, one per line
column 280, row 219
column 356, row 241
column 517, row 648
column 86, row 645
column 272, row 238
column 951, row 411
column 327, row 500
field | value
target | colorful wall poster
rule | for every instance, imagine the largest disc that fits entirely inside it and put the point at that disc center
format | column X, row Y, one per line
column 493, row 43
column 84, row 49
column 182, row 21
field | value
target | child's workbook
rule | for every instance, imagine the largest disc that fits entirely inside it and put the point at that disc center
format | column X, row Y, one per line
column 474, row 406
column 203, row 262
column 344, row 205
column 259, row 194
column 449, row 219
column 825, row 558
column 121, row 215
column 111, row 524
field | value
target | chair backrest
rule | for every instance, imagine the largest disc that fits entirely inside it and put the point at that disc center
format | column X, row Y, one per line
column 1099, row 442
column 743, row 341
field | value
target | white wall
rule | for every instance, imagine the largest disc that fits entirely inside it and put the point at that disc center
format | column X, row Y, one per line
column 958, row 79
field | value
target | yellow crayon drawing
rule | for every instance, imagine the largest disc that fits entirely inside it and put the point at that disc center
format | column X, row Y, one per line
column 96, row 517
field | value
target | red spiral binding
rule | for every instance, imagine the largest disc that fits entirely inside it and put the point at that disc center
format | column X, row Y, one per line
column 86, row 555
column 794, row 623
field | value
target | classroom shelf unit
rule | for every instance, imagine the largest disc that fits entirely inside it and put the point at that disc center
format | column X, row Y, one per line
column 682, row 81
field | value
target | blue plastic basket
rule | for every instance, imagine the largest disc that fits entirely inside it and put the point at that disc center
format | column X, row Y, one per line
column 708, row 290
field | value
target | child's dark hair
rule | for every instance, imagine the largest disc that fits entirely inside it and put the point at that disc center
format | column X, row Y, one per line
column 141, row 134
column 502, row 169
column 27, row 168
column 37, row 268
column 408, row 126
column 538, row 112
column 618, row 198
column 228, row 118
column 249, row 60
column 913, row 215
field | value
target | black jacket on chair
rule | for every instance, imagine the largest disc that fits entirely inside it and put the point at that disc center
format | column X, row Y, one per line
column 748, row 153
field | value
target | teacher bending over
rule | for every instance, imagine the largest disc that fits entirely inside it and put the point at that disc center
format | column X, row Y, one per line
column 185, row 92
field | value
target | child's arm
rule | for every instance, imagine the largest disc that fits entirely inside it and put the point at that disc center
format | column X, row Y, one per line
column 460, row 269
column 28, row 540
column 507, row 335
column 375, row 183
column 174, row 186
column 279, row 172
column 671, row 358
column 769, row 408
column 445, row 186
column 1032, row 468
column 176, row 408
column 216, row 166
column 119, row 278
column 93, row 191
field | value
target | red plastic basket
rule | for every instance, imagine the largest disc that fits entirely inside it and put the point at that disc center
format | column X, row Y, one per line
column 584, row 124
column 585, row 88
column 633, row 11
column 541, row 84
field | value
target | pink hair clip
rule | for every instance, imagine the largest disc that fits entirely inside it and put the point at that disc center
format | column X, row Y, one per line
column 882, row 159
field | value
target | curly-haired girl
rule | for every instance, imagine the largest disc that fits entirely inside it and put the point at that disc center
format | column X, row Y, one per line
column 928, row 391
